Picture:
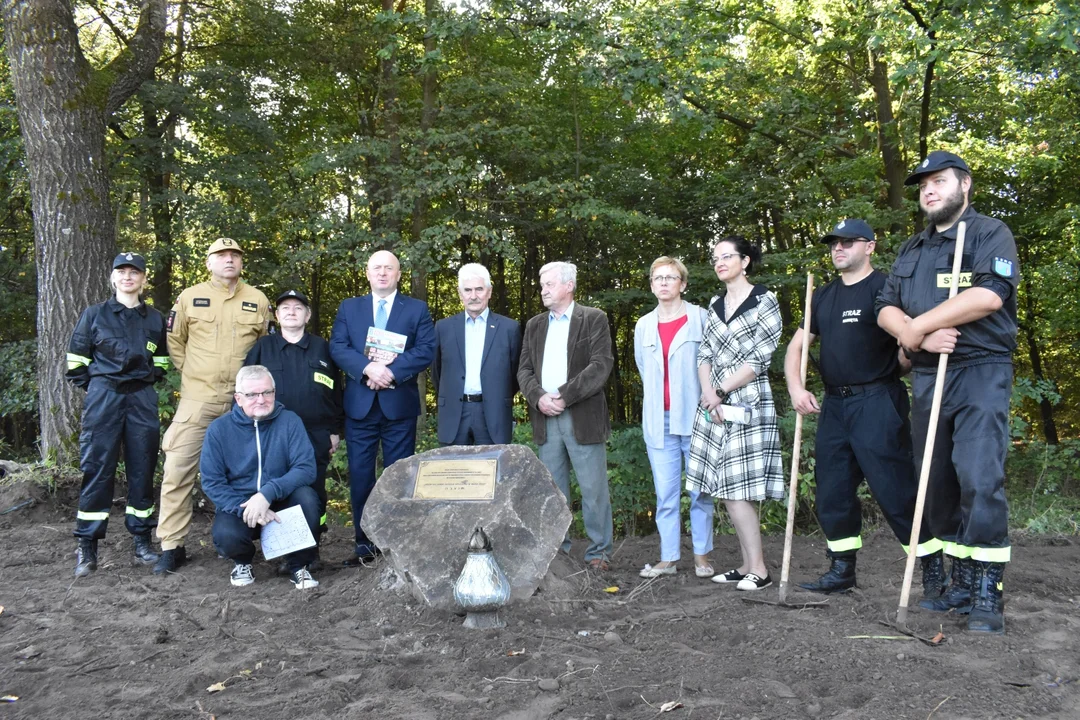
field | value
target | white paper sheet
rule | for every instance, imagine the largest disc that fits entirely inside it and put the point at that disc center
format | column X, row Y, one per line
column 287, row 536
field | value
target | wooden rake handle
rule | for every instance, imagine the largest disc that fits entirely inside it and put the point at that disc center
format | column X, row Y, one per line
column 931, row 436
column 793, row 488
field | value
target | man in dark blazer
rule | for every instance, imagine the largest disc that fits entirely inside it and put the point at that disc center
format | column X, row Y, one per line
column 382, row 399
column 565, row 362
column 475, row 368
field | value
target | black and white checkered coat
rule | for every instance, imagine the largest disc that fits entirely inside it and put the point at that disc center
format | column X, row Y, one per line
column 727, row 460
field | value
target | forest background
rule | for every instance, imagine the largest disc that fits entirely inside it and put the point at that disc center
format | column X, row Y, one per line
column 513, row 133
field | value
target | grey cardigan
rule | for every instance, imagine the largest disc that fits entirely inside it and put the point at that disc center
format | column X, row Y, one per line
column 683, row 381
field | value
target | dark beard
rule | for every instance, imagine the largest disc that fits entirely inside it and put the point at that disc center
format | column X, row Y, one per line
column 948, row 210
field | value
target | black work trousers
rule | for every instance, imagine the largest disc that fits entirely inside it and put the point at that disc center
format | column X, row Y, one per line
column 866, row 434
column 965, row 497
column 320, row 443
column 112, row 418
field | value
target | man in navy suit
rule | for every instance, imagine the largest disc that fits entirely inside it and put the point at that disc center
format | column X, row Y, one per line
column 382, row 400
column 475, row 368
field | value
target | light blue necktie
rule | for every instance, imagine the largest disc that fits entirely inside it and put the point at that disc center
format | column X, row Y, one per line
column 380, row 315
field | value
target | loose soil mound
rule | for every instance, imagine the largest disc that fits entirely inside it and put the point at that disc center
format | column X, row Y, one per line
column 126, row 644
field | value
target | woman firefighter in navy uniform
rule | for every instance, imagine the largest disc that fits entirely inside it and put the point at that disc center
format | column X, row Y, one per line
column 117, row 352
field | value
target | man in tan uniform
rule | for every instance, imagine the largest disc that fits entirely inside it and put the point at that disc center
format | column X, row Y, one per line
column 211, row 328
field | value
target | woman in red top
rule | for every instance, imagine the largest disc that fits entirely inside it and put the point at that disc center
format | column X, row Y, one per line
column 666, row 344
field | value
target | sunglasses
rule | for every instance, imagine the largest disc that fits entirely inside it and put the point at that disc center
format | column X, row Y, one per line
column 845, row 243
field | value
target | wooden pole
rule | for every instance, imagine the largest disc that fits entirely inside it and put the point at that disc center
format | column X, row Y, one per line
column 793, row 487
column 931, row 436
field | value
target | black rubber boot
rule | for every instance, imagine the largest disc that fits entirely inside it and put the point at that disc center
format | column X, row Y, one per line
column 840, row 577
column 144, row 552
column 957, row 596
column 988, row 611
column 169, row 560
column 85, row 558
column 933, row 576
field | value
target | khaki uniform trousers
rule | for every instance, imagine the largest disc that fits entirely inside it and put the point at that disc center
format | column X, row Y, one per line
column 183, row 444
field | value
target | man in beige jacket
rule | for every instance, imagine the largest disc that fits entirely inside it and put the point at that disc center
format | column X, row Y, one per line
column 211, row 328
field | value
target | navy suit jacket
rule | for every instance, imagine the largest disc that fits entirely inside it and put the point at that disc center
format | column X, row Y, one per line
column 409, row 317
column 498, row 374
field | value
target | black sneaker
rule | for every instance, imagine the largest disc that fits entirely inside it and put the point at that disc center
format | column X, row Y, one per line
column 302, row 580
column 241, row 575
column 169, row 560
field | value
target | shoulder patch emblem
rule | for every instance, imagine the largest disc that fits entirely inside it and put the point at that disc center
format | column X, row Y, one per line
column 1003, row 267
column 249, row 307
column 201, row 302
column 170, row 320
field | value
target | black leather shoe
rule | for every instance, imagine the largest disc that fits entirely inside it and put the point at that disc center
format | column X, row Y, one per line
column 933, row 576
column 839, row 578
column 957, row 596
column 988, row 608
column 85, row 558
column 169, row 560
column 144, row 552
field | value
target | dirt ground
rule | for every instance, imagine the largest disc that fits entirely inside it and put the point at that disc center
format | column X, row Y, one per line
column 125, row 644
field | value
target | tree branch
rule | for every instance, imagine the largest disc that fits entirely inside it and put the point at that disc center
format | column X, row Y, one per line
column 135, row 63
column 112, row 26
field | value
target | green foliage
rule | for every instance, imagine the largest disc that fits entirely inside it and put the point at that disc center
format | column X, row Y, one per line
column 18, row 378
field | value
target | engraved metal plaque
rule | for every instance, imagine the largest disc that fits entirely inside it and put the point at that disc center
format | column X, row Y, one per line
column 456, row 479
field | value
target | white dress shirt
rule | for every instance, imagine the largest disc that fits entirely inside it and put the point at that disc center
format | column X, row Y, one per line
column 475, row 334
column 553, row 373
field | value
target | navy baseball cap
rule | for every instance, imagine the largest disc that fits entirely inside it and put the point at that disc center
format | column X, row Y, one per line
column 130, row 259
column 937, row 160
column 849, row 229
column 292, row 295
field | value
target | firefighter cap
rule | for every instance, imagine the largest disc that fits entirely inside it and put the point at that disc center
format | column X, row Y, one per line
column 850, row 229
column 130, row 259
column 937, row 160
column 224, row 243
column 292, row 295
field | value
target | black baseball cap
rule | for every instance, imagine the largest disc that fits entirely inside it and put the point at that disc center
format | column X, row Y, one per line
column 937, row 160
column 132, row 259
column 292, row 295
column 849, row 229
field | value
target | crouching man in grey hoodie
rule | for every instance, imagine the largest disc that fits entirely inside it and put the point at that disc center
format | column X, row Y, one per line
column 255, row 460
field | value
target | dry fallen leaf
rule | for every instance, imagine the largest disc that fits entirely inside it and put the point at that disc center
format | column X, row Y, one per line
column 669, row 706
column 613, row 589
column 216, row 687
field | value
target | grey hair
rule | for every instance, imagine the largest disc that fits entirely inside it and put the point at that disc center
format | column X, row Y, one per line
column 471, row 270
column 252, row 372
column 567, row 271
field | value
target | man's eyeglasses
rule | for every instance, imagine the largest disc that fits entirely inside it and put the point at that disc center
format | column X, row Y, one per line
column 264, row 394
column 662, row 279
column 845, row 243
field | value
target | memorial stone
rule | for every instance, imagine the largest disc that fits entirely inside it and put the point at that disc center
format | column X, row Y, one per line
column 424, row 509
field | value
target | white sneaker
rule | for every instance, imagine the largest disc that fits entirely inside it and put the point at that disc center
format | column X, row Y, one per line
column 302, row 580
column 241, row 575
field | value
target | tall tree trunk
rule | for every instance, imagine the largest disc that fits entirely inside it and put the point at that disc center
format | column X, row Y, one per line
column 888, row 135
column 63, row 104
